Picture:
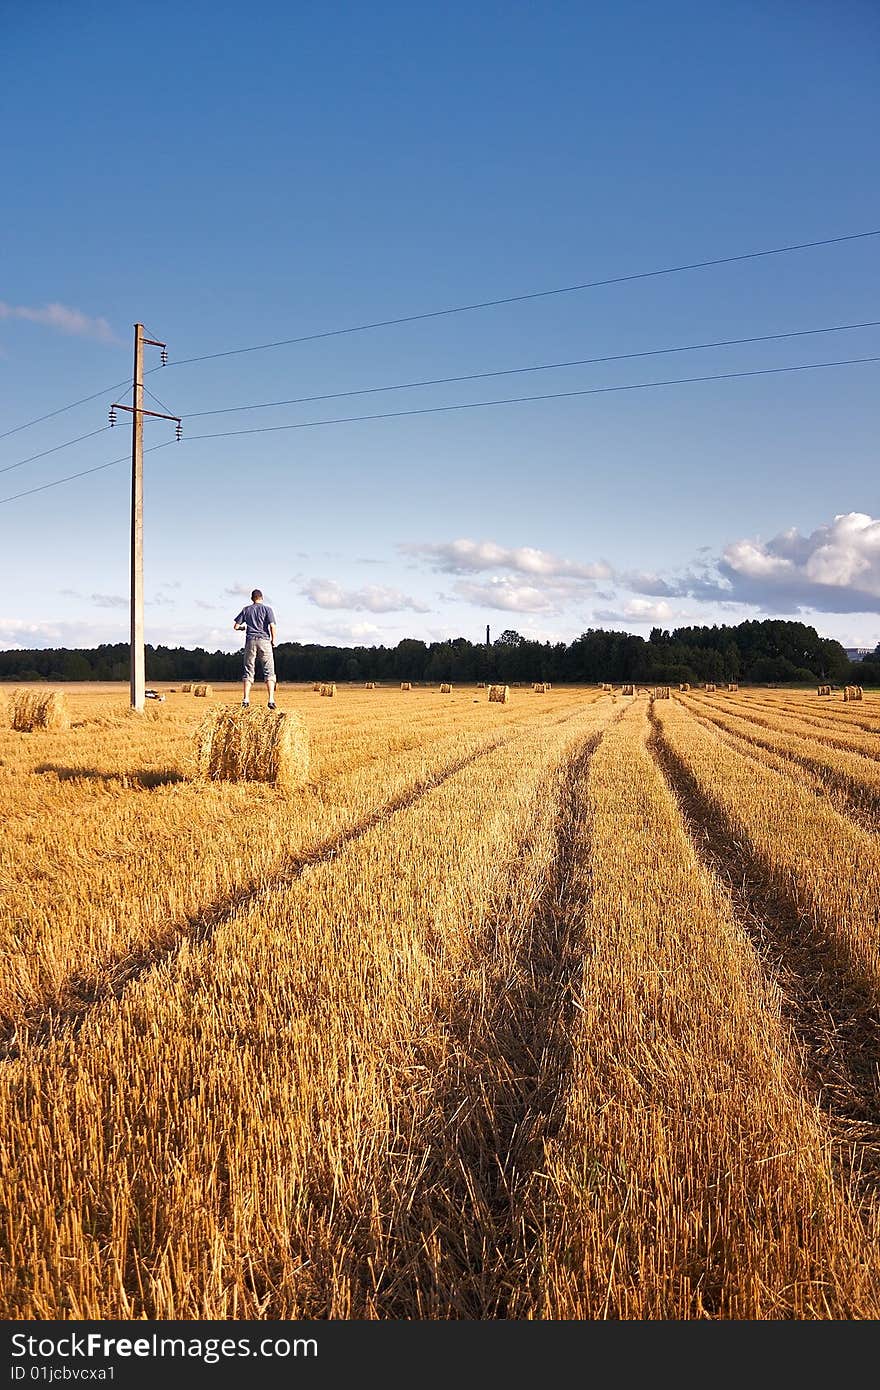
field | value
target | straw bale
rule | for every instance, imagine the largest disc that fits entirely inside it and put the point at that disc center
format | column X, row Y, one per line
column 824, row 690
column 446, row 688
column 406, row 685
column 236, row 744
column 329, row 688
column 39, row 709
column 499, row 694
column 203, row 690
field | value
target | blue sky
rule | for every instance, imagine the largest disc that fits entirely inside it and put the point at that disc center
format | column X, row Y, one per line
column 234, row 176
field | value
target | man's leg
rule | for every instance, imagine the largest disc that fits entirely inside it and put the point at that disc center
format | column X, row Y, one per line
column 248, row 677
column 269, row 669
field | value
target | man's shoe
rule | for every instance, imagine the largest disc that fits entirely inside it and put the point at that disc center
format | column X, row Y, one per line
column 245, row 704
column 271, row 704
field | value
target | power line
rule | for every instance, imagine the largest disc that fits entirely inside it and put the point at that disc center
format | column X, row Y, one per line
column 534, row 294
column 538, row 367
column 468, row 405
column 62, row 408
column 553, row 396
column 10, row 466
column 472, row 376
column 465, row 309
column 44, row 487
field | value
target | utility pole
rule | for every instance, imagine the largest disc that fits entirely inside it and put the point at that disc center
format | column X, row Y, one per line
column 487, row 634
column 136, row 651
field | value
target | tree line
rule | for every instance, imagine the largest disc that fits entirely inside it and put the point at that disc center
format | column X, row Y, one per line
column 771, row 651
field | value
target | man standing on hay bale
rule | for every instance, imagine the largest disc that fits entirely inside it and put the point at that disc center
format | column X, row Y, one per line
column 257, row 621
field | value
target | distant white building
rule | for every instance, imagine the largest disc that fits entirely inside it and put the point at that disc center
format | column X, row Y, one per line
column 858, row 653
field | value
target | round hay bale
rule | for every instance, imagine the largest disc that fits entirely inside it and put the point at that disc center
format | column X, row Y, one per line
column 38, row 709
column 235, row 744
column 499, row 694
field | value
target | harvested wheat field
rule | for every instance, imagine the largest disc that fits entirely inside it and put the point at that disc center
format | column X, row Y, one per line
column 403, row 1007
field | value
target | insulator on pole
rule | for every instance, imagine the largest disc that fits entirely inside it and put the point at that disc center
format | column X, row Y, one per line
column 112, row 415
column 164, row 356
column 178, row 429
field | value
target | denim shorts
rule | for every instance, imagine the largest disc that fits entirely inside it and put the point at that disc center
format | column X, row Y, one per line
column 262, row 647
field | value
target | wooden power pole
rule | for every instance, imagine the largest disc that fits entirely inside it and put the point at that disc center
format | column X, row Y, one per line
column 136, row 651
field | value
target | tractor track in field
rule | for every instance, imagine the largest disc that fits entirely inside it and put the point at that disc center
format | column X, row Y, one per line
column 831, row 717
column 816, row 729
column 859, row 803
column 501, row 1095
column 833, row 1014
column 79, row 995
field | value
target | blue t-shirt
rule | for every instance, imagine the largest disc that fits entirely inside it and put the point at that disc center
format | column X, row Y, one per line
column 256, row 618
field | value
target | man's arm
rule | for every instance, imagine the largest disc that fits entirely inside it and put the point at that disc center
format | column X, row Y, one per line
column 272, row 633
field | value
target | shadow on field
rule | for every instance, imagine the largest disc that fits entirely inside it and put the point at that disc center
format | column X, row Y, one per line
column 462, row 1245
column 145, row 778
column 825, row 996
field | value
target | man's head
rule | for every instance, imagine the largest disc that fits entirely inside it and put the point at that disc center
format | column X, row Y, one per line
column 256, row 595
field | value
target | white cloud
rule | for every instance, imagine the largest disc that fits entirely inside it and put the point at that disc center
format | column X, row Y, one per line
column 64, row 319
column 643, row 582
column 639, row 610
column 110, row 600
column 363, row 633
column 371, row 598
column 15, row 633
column 505, row 593
column 834, row 569
column 472, row 557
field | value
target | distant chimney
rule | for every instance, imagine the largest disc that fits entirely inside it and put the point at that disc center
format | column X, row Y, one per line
column 487, row 634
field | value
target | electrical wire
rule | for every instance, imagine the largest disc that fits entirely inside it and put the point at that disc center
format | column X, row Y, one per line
column 10, row 466
column 473, row 376
column 464, row 309
column 99, row 468
column 552, row 396
column 469, row 405
column 62, row 408
column 534, row 294
column 538, row 367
